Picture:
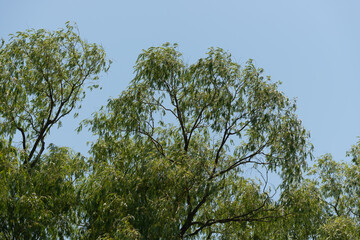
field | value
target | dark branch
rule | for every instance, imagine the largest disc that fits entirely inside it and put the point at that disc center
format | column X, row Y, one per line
column 243, row 160
column 192, row 213
column 246, row 217
column 23, row 137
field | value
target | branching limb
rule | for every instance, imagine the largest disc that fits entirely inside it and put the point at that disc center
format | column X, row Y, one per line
column 246, row 217
column 243, row 160
column 191, row 213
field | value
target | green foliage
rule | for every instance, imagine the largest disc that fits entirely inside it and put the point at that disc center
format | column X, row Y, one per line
column 42, row 75
column 42, row 79
column 324, row 206
column 41, row 204
column 338, row 182
column 172, row 155
column 303, row 213
column 172, row 147
column 338, row 228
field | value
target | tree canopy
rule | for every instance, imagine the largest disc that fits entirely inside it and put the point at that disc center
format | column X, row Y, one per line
column 42, row 79
column 187, row 151
column 191, row 130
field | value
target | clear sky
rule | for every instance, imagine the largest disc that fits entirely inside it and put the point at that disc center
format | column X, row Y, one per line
column 312, row 46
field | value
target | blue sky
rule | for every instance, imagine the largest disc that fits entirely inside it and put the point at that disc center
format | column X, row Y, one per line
column 312, row 46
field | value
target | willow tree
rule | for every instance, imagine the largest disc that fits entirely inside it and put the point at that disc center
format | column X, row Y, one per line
column 338, row 183
column 42, row 79
column 171, row 150
column 325, row 205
